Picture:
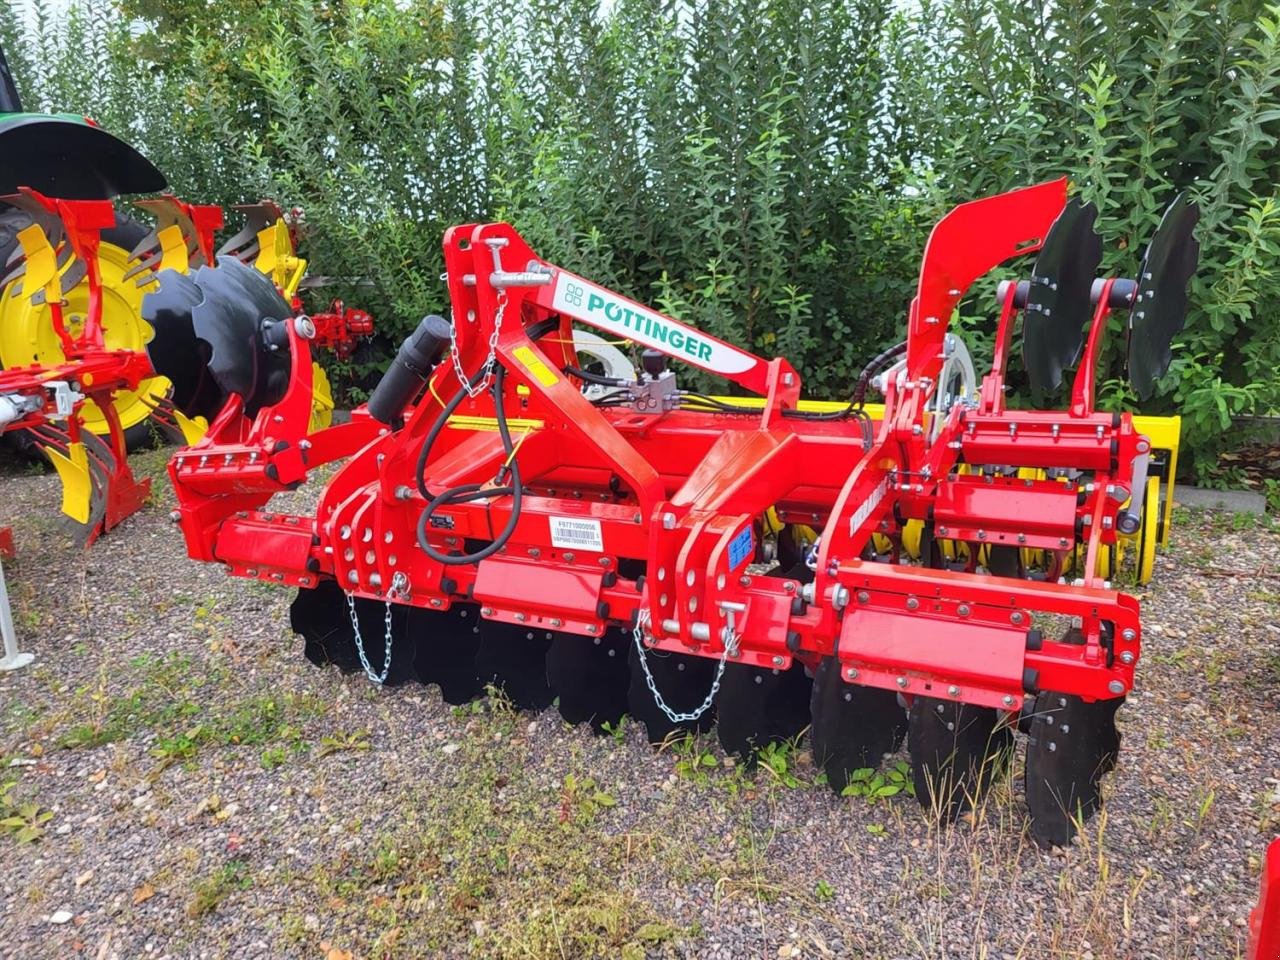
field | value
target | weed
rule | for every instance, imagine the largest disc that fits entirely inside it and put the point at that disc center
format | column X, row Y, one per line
column 24, row 820
column 823, row 891
column 230, row 877
column 875, row 786
column 338, row 742
column 777, row 759
column 581, row 800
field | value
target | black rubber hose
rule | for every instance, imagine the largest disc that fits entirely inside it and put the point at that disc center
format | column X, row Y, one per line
column 872, row 368
column 472, row 491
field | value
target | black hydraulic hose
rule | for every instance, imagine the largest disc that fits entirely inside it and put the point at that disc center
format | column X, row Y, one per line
column 874, row 367
column 596, row 378
column 471, row 491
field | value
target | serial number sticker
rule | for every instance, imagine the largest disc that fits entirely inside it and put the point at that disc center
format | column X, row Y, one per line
column 740, row 548
column 577, row 533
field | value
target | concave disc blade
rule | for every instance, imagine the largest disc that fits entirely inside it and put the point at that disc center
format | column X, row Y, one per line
column 445, row 646
column 757, row 706
column 683, row 681
column 1160, row 305
column 957, row 750
column 237, row 301
column 589, row 675
column 319, row 615
column 851, row 727
column 174, row 351
column 1058, row 307
column 1071, row 744
column 514, row 659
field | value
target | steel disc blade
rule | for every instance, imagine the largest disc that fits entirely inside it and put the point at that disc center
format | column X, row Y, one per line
column 174, row 350
column 237, row 302
column 514, row 659
column 1058, row 306
column 757, row 706
column 1067, row 752
column 589, row 676
column 1160, row 304
column 851, row 727
column 319, row 615
column 957, row 750
column 445, row 646
column 683, row 682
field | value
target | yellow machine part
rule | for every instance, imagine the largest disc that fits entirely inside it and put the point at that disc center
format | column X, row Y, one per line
column 321, row 399
column 27, row 335
column 77, row 486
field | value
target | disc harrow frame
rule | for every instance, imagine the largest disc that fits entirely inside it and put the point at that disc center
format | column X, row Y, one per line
column 500, row 491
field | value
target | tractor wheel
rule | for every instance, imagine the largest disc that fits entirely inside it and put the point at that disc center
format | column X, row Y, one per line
column 27, row 335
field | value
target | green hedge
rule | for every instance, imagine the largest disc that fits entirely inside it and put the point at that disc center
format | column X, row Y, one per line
column 766, row 170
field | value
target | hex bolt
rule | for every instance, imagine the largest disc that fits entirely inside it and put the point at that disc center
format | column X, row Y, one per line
column 1015, row 617
column 912, row 603
column 521, row 617
column 486, row 611
column 403, row 492
column 840, row 598
column 556, row 621
column 1128, row 634
column 851, row 673
column 592, row 628
column 668, row 521
column 1126, row 657
column 777, row 661
column 744, row 581
column 789, row 586
column 1116, row 686
column 436, row 602
column 963, row 610
column 953, row 691
column 1008, row 700
column 535, row 552
column 864, row 597
column 902, row 682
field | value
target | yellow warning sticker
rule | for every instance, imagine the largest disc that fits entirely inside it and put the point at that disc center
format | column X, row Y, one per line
column 541, row 372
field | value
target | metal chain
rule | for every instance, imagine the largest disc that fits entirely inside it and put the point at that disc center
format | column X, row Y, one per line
column 487, row 367
column 642, row 621
column 398, row 583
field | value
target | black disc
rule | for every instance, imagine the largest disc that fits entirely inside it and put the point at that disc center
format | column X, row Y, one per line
column 1160, row 304
column 589, row 677
column 174, row 350
column 1067, row 752
column 852, row 726
column 239, row 307
column 514, row 659
column 1003, row 561
column 445, row 646
column 957, row 750
column 683, row 682
column 320, row 616
column 757, row 706
column 1058, row 306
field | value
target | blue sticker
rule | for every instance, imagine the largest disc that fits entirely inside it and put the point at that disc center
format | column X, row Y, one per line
column 740, row 549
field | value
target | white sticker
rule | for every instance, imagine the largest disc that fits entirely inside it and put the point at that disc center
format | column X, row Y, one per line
column 606, row 310
column 576, row 533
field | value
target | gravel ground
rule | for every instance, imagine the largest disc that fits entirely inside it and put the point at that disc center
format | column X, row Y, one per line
column 213, row 795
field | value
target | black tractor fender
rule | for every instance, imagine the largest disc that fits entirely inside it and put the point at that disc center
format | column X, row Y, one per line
column 71, row 159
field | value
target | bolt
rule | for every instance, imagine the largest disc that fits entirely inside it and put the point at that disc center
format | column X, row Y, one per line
column 521, row 617
column 1126, row 657
column 175, row 516
column 789, row 586
column 963, row 610
column 851, row 673
column 436, row 602
column 777, row 661
column 592, row 628
column 403, row 492
column 902, row 682
column 535, row 552
column 863, row 596
column 556, row 621
column 1008, row 700
column 744, row 581
column 1128, row 634
column 1116, row 686
column 668, row 521
column 912, row 603
column 1015, row 617
column 840, row 599
column 982, row 534
column 953, row 691
column 568, row 558
column 486, row 611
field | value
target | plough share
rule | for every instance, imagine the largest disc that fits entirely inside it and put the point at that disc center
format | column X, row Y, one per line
column 615, row 544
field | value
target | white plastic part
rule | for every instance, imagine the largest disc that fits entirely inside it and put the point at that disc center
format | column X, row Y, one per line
column 616, row 363
column 12, row 659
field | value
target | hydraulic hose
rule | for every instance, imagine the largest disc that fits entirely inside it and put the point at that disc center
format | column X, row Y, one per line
column 468, row 492
column 871, row 369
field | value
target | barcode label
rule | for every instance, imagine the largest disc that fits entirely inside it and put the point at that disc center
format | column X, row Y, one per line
column 576, row 533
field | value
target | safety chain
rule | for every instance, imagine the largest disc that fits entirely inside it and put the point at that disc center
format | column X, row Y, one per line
column 483, row 384
column 398, row 583
column 642, row 621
